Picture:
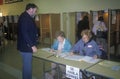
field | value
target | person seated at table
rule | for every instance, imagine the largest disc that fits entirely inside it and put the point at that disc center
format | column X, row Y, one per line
column 86, row 46
column 61, row 45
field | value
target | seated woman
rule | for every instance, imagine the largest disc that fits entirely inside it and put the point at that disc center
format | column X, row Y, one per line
column 86, row 46
column 61, row 45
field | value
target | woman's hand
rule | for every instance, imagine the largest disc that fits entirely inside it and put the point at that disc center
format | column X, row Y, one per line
column 71, row 53
column 52, row 51
column 95, row 56
column 59, row 51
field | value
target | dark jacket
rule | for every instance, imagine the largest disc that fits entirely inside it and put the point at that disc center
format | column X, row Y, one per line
column 27, row 33
column 82, row 25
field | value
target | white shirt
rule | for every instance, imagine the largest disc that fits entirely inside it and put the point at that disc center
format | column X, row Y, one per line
column 61, row 45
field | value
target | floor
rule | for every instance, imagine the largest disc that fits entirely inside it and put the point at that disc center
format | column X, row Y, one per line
column 10, row 63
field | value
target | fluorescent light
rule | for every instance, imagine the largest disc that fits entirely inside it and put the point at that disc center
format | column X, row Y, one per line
column 0, row 14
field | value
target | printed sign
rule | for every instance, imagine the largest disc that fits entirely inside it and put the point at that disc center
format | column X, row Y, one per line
column 72, row 72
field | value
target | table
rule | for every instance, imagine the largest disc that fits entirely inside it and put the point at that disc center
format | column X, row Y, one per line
column 107, row 69
column 61, row 61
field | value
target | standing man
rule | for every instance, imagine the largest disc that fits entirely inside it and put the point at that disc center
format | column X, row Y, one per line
column 27, row 38
column 82, row 25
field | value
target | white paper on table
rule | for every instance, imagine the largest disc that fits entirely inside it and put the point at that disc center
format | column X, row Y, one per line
column 82, row 58
column 63, row 54
column 74, row 57
column 46, row 49
column 90, row 59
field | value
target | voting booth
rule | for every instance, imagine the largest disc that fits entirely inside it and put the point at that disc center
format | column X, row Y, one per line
column 112, row 21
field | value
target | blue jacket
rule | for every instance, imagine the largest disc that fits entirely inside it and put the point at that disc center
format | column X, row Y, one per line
column 66, row 48
column 88, row 49
column 27, row 33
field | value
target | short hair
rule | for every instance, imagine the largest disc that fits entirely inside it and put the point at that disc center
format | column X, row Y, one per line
column 85, row 17
column 30, row 5
column 100, row 18
column 60, row 33
column 87, row 32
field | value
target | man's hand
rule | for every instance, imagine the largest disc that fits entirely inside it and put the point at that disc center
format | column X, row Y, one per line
column 34, row 48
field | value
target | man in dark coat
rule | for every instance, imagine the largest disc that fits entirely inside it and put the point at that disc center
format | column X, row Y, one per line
column 27, row 38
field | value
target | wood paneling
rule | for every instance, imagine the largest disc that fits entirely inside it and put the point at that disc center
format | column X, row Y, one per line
column 1, row 2
column 49, row 24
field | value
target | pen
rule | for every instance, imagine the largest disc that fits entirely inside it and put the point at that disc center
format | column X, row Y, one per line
column 50, row 56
